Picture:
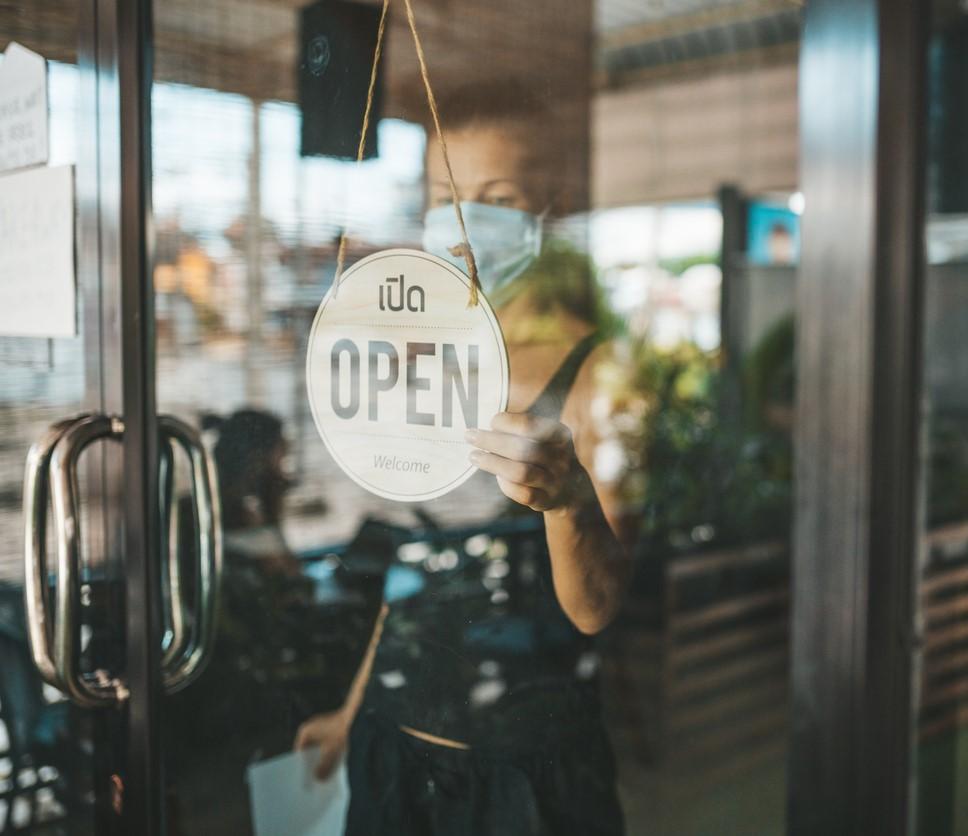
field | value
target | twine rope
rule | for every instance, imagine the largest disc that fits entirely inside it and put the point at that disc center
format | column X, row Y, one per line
column 361, row 147
column 464, row 248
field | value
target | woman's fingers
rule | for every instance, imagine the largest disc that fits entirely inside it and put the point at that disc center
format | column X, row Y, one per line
column 522, row 473
column 533, row 497
column 304, row 738
column 327, row 764
column 521, row 437
column 530, row 426
column 531, row 457
column 516, row 447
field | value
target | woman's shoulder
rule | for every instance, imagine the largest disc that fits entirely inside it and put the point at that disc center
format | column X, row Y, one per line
column 596, row 382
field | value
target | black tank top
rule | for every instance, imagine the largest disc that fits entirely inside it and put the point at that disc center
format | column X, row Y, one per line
column 475, row 646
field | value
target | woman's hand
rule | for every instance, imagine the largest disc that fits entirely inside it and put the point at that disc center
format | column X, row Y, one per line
column 534, row 461
column 329, row 733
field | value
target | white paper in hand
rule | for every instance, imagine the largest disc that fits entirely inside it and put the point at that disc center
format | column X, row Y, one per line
column 288, row 800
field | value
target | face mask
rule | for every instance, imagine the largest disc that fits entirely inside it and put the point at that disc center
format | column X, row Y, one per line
column 505, row 241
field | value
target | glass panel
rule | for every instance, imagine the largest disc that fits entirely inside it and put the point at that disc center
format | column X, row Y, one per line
column 615, row 661
column 46, row 762
column 942, row 770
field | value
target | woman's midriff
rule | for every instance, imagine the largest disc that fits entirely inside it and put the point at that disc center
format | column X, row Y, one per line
column 432, row 738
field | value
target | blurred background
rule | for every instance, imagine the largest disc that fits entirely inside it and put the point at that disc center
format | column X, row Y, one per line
column 678, row 126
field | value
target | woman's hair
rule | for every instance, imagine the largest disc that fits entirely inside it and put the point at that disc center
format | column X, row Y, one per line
column 495, row 100
column 517, row 108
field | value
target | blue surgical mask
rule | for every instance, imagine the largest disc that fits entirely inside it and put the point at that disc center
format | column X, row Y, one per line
column 505, row 241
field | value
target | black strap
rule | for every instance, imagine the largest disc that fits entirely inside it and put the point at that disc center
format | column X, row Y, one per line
column 551, row 401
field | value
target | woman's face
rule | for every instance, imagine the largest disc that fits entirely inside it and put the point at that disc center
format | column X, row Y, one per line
column 491, row 163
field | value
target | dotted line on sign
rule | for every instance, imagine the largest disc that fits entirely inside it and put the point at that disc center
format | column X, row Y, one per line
column 409, row 438
column 386, row 325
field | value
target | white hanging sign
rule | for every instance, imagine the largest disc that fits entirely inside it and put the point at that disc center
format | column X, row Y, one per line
column 398, row 367
column 23, row 109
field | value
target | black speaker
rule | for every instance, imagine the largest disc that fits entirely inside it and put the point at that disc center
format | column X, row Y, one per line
column 336, row 43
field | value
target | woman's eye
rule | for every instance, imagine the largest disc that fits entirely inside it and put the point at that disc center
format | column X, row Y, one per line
column 501, row 200
column 441, row 200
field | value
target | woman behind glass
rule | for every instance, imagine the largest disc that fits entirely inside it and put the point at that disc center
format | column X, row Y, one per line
column 476, row 707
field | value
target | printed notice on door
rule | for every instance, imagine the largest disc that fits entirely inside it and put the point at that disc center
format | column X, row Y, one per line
column 23, row 108
column 37, row 288
column 398, row 368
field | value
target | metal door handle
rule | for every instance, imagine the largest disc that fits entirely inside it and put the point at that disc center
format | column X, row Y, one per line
column 101, row 689
column 36, row 592
column 173, row 609
column 190, row 650
column 53, row 619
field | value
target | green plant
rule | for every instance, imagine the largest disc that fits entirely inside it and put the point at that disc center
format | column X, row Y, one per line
column 700, row 477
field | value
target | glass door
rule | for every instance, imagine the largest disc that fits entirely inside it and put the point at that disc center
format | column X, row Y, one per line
column 590, row 634
column 60, row 763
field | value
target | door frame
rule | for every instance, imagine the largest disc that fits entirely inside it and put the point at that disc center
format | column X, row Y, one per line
column 859, row 332
column 144, row 785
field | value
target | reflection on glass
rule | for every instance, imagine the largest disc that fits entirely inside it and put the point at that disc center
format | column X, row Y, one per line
column 600, row 641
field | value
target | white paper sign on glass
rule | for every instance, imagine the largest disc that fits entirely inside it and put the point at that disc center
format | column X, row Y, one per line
column 23, row 108
column 398, row 367
column 37, row 294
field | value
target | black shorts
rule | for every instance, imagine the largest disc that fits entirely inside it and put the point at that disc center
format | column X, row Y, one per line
column 403, row 786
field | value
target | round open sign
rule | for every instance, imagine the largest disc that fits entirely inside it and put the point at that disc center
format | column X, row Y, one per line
column 398, row 367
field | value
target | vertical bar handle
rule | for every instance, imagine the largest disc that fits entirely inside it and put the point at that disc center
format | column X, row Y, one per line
column 182, row 669
column 36, row 591
column 99, row 689
column 175, row 622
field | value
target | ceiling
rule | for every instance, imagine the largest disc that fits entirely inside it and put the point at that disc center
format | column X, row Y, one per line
column 611, row 15
column 249, row 45
column 640, row 41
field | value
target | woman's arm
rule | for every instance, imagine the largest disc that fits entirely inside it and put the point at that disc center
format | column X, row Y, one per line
column 355, row 696
column 330, row 731
column 591, row 563
column 536, row 464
